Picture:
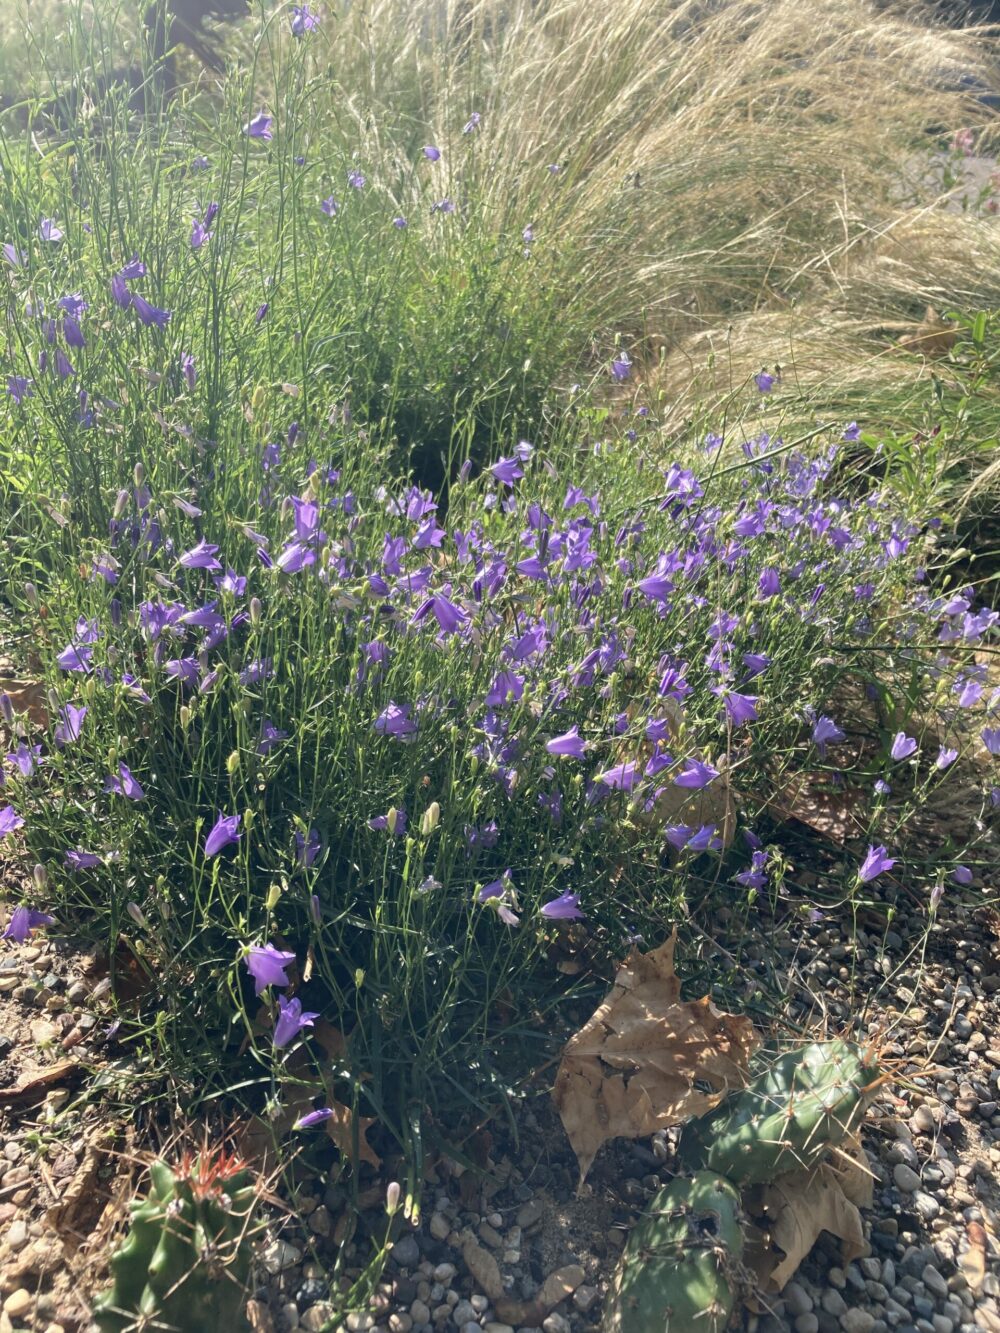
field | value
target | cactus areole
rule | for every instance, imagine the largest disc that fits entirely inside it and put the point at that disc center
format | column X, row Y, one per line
column 185, row 1262
column 679, row 1270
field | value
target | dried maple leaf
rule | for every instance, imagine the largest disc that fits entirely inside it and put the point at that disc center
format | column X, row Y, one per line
column 797, row 1207
column 647, row 1059
column 28, row 698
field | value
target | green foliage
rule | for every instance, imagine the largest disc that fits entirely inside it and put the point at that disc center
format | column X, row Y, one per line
column 679, row 1271
column 185, row 1262
column 799, row 1106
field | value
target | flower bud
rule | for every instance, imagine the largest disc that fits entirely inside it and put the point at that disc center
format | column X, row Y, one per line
column 31, row 592
column 186, row 716
column 135, row 912
column 233, row 763
column 391, row 819
column 392, row 1194
column 139, row 474
column 121, row 503
column 256, row 610
column 6, row 708
column 273, row 894
column 314, row 909
column 41, row 876
column 430, row 819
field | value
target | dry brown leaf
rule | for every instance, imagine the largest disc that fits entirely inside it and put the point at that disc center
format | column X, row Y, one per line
column 28, row 698
column 635, row 1066
column 801, row 1204
column 973, row 1262
column 340, row 1128
column 807, row 798
column 38, row 1080
column 850, row 1165
column 713, row 804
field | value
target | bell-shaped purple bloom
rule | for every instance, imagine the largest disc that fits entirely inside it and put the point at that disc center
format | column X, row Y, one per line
column 329, row 206
column 769, row 583
column 825, row 732
column 569, row 744
column 764, row 381
column 621, row 367
column 507, row 471
column 224, row 832
column 395, row 720
column 295, row 557
column 962, row 875
column 622, row 777
column 507, row 688
column 740, row 708
column 259, row 127
column 19, row 388
column 23, row 920
column 76, row 657
column 695, row 775
column 76, row 858
column 355, row 180
column 313, row 1118
column 201, row 556
column 64, row 366
column 232, row 582
column 946, row 757
column 25, row 759
column 564, row 908
column 291, row 1021
column 270, row 736
column 307, row 848
column 267, row 965
column 449, row 616
column 120, row 293
column 472, row 123
column 68, row 729
column 496, row 888
column 874, row 864
column 72, row 332
column 149, row 314
column 48, row 230
column 135, row 268
column 902, row 746
column 124, row 784
column 9, row 821
column 991, row 739
column 303, row 20
column 11, row 255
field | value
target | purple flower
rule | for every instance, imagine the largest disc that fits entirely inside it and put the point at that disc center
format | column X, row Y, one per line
column 399, row 223
column 946, row 758
column 568, row 744
column 124, row 784
column 472, row 123
column 874, row 864
column 962, row 875
column 769, row 583
column 224, row 832
column 395, row 720
column 135, row 268
column 313, row 1118
column 71, row 724
column 64, row 366
column 149, row 314
column 307, row 848
column 266, row 965
column 507, row 688
column 991, row 739
column 329, row 206
column 270, row 735
column 303, row 21
column 232, row 582
column 19, row 388
column 291, row 1021
column 25, row 759
column 443, row 206
column 259, row 127
column 261, row 313
column 9, row 820
column 507, row 471
column 851, row 433
column 431, row 153
column 825, row 732
column 622, row 777
column 355, row 180
column 696, row 775
column 120, row 294
column 564, row 908
column 23, row 920
column 902, row 746
column 48, row 230
column 189, row 370
column 740, row 708
column 11, row 255
column 77, row 859
column 621, row 367
column 201, row 556
column 764, row 381
column 497, row 888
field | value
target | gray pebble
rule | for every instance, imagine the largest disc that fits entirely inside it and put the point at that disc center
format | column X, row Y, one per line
column 806, row 1323
column 926, row 1205
column 934, row 1282
column 797, row 1299
column 857, row 1321
column 406, row 1252
column 905, row 1177
column 832, row 1302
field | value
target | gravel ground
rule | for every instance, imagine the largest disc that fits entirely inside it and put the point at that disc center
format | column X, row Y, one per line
column 520, row 1249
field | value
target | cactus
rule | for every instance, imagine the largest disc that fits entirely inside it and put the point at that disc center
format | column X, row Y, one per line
column 185, row 1261
column 678, row 1271
column 801, row 1104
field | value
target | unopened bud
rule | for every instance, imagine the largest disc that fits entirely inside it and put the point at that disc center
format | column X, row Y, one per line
column 391, row 819
column 186, row 716
column 41, row 876
column 6, row 708
column 256, row 610
column 139, row 474
column 392, row 1193
column 430, row 819
column 233, row 763
column 121, row 503
column 273, row 894
column 31, row 592
column 135, row 912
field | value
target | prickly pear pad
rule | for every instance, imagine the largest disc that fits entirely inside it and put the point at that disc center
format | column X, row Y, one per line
column 679, row 1270
column 802, row 1103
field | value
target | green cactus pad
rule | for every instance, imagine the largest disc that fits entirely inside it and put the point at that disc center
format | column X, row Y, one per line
column 677, row 1274
column 185, row 1262
column 799, row 1105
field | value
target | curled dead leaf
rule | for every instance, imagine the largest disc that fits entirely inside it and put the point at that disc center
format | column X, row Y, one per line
column 646, row 1059
column 973, row 1262
column 795, row 1208
column 28, row 699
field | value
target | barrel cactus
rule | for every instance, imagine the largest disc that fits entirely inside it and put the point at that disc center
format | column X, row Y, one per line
column 185, row 1262
column 679, row 1271
column 801, row 1104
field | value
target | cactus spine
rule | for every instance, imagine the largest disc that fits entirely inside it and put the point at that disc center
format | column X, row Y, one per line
column 185, row 1262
